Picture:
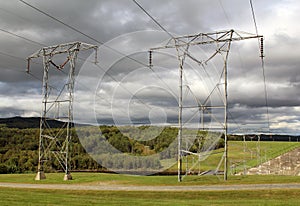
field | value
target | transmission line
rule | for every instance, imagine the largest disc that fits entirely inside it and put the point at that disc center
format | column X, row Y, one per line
column 89, row 36
column 19, row 58
column 153, row 19
column 80, row 32
column 226, row 16
column 11, row 56
column 56, row 19
column 239, row 54
column 73, row 28
column 256, row 29
column 172, row 36
column 37, row 78
column 92, row 38
column 22, row 37
column 260, row 46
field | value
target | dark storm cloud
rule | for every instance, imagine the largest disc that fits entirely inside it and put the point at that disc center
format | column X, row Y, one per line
column 105, row 20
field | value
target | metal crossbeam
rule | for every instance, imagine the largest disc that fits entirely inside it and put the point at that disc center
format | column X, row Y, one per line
column 51, row 51
column 207, row 38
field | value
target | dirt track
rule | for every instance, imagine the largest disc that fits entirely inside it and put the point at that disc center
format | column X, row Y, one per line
column 152, row 188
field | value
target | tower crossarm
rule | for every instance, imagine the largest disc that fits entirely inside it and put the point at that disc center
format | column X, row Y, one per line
column 60, row 49
column 207, row 38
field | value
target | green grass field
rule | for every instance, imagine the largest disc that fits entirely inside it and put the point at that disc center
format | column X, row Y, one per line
column 120, row 179
column 241, row 154
column 11, row 196
column 23, row 197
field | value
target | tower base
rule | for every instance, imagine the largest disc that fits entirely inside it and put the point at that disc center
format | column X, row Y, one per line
column 67, row 177
column 40, row 175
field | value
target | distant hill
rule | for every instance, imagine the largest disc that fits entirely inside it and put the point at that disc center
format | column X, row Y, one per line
column 27, row 122
column 34, row 122
column 265, row 137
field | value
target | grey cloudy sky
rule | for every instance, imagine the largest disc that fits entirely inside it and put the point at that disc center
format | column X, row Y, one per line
column 106, row 20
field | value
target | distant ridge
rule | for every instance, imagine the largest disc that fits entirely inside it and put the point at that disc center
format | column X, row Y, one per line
column 34, row 122
column 27, row 122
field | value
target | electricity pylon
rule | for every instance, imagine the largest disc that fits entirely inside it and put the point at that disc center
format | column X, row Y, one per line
column 55, row 142
column 182, row 44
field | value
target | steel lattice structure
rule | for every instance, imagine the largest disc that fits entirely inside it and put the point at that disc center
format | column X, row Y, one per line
column 55, row 142
column 182, row 44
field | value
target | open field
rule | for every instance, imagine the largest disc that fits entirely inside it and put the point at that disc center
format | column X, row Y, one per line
column 11, row 196
column 241, row 154
column 79, row 192
column 118, row 179
column 117, row 189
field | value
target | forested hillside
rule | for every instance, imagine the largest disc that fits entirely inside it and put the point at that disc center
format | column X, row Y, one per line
column 19, row 149
column 19, row 152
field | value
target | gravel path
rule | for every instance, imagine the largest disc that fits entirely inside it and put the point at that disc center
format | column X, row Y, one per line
column 152, row 188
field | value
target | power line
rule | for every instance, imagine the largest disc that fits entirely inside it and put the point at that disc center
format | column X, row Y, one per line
column 172, row 36
column 239, row 54
column 27, row 39
column 19, row 58
column 23, row 72
column 84, row 34
column 12, row 70
column 12, row 56
column 63, row 23
column 92, row 38
column 260, row 46
column 80, row 32
column 98, row 66
column 22, row 37
column 153, row 19
column 225, row 13
column 253, row 16
column 165, row 30
column 35, row 77
column 256, row 29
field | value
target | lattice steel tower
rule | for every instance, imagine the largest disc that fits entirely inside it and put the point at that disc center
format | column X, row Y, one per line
column 183, row 44
column 55, row 142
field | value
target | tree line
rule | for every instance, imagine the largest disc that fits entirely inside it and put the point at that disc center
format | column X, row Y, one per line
column 90, row 148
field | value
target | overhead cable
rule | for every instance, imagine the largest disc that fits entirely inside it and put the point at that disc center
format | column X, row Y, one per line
column 260, row 45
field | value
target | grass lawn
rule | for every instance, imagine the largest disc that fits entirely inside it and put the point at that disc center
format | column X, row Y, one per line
column 23, row 197
column 11, row 196
column 119, row 179
column 240, row 154
column 254, row 153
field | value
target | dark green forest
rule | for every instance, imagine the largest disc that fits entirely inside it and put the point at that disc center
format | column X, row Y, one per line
column 19, row 152
column 19, row 148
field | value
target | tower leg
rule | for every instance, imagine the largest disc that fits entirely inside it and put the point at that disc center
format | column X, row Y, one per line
column 40, row 175
column 67, row 177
